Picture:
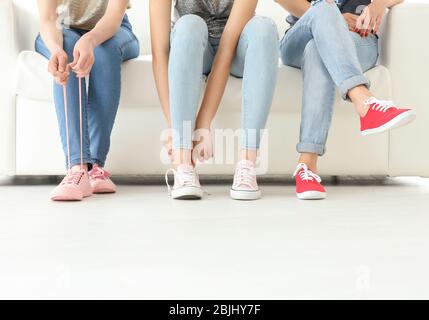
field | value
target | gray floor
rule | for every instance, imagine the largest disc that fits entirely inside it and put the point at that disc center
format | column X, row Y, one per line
column 369, row 239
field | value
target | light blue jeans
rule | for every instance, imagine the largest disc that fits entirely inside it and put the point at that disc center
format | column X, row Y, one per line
column 330, row 56
column 192, row 54
column 100, row 103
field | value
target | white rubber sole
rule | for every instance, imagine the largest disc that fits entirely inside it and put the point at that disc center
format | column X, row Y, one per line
column 245, row 195
column 401, row 120
column 312, row 195
column 188, row 193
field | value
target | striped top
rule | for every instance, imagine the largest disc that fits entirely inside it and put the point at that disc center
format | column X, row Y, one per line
column 82, row 14
column 214, row 12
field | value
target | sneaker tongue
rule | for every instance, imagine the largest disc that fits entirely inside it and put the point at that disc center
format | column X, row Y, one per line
column 246, row 164
column 185, row 168
column 76, row 169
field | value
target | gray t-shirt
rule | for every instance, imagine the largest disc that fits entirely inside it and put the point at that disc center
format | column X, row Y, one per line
column 345, row 6
column 214, row 12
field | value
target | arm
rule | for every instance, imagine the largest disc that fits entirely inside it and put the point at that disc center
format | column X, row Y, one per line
column 105, row 29
column 295, row 7
column 160, row 26
column 242, row 12
column 53, row 38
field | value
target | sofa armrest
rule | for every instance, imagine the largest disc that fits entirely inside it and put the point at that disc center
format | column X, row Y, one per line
column 8, row 56
column 405, row 52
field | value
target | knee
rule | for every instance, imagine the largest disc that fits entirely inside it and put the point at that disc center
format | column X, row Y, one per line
column 263, row 30
column 190, row 29
column 326, row 9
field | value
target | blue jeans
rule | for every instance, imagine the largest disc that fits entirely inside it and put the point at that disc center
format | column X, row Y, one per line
column 101, row 101
column 192, row 54
column 330, row 56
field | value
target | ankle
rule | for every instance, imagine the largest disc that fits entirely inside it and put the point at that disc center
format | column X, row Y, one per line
column 78, row 167
column 249, row 155
column 310, row 160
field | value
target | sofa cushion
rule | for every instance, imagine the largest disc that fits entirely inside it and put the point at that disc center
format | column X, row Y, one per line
column 138, row 89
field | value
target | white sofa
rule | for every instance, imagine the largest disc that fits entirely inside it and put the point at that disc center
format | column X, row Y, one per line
column 29, row 142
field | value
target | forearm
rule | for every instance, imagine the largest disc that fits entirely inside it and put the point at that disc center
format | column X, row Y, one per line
column 295, row 7
column 215, row 89
column 241, row 13
column 160, row 25
column 109, row 24
column 160, row 71
column 51, row 35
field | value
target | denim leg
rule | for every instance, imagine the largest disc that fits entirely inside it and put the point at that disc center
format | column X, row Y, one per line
column 256, row 62
column 324, row 23
column 319, row 92
column 70, row 39
column 104, row 89
column 191, row 56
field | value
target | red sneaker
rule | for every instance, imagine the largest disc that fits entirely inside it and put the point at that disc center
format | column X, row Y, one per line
column 308, row 184
column 383, row 116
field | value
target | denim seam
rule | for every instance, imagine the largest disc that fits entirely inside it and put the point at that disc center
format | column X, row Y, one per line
column 245, row 98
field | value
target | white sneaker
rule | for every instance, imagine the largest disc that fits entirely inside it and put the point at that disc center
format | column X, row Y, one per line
column 245, row 186
column 186, row 183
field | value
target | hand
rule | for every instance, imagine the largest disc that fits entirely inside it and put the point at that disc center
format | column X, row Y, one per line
column 351, row 20
column 370, row 19
column 203, row 145
column 83, row 56
column 58, row 66
column 167, row 140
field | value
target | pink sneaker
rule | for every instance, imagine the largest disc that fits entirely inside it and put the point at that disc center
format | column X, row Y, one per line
column 383, row 116
column 100, row 181
column 74, row 187
column 308, row 184
column 245, row 186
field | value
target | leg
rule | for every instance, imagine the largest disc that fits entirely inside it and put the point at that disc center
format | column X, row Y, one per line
column 105, row 88
column 70, row 39
column 319, row 86
column 190, row 55
column 257, row 63
column 317, row 107
column 76, row 185
column 325, row 24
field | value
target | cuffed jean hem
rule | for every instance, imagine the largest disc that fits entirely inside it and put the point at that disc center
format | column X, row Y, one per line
column 98, row 162
column 76, row 162
column 182, row 147
column 351, row 83
column 304, row 147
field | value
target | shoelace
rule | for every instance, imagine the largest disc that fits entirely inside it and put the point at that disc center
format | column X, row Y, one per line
column 98, row 173
column 67, row 123
column 306, row 175
column 244, row 176
column 72, row 178
column 379, row 105
column 187, row 179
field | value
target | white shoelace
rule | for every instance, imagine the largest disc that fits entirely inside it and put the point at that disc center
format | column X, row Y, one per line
column 306, row 174
column 379, row 105
column 185, row 178
column 244, row 176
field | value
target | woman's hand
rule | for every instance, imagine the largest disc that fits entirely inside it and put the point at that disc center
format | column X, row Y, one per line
column 351, row 20
column 58, row 66
column 83, row 55
column 167, row 141
column 203, row 145
column 371, row 18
